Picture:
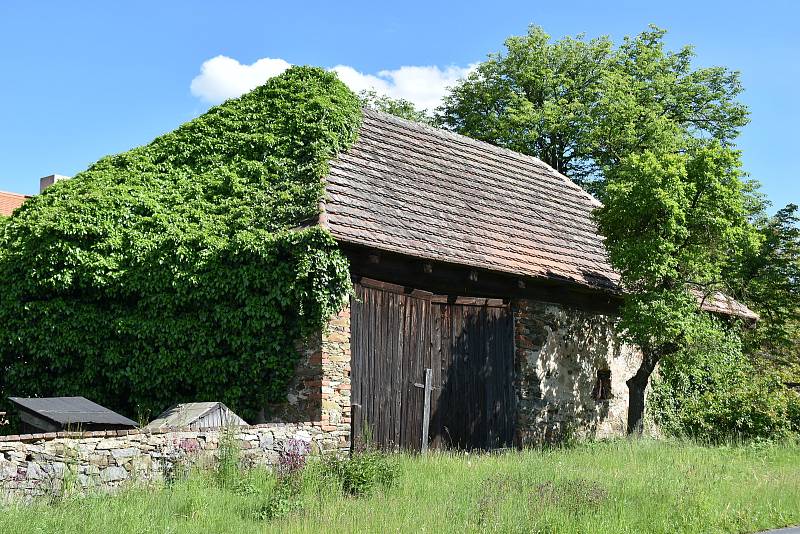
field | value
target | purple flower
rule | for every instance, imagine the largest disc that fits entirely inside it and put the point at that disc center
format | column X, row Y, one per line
column 293, row 456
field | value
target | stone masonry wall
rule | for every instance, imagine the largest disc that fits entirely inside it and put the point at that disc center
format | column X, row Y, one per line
column 43, row 464
column 558, row 351
column 319, row 393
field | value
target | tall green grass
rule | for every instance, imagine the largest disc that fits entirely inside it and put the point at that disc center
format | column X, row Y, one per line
column 616, row 487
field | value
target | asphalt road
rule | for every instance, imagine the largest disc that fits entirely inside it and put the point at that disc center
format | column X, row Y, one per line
column 787, row 530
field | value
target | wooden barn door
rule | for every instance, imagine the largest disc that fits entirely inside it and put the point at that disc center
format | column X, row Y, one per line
column 390, row 346
column 468, row 345
column 474, row 399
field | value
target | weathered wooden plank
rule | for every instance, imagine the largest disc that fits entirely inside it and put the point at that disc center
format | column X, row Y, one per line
column 468, row 348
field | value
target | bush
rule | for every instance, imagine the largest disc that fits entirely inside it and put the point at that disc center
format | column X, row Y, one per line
column 284, row 499
column 362, row 473
column 713, row 392
column 184, row 269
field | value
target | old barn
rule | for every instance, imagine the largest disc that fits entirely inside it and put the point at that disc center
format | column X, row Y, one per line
column 478, row 269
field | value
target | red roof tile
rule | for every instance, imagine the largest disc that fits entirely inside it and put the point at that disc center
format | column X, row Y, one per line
column 10, row 201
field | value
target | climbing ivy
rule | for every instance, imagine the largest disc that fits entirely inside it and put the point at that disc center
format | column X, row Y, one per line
column 186, row 269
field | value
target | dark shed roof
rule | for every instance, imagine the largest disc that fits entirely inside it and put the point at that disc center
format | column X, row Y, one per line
column 72, row 410
column 412, row 189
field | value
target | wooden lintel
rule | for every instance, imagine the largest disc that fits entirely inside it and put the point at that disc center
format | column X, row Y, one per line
column 449, row 279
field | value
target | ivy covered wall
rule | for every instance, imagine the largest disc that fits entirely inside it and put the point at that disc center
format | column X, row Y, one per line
column 185, row 269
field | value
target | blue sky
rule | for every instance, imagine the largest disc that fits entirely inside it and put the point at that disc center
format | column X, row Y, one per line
column 84, row 79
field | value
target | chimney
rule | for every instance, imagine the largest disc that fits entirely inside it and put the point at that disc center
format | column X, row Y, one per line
column 47, row 181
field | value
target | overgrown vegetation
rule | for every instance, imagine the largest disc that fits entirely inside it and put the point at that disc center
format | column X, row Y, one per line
column 620, row 486
column 184, row 269
column 398, row 107
column 712, row 391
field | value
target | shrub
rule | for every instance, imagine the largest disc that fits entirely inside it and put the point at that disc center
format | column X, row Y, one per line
column 712, row 391
column 187, row 268
column 363, row 472
column 283, row 500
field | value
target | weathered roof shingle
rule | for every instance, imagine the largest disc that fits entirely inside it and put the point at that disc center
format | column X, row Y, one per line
column 412, row 189
column 409, row 188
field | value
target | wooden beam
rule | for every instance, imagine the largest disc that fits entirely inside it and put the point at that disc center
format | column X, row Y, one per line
column 454, row 280
column 426, row 411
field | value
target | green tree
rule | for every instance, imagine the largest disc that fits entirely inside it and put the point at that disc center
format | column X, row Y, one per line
column 582, row 105
column 649, row 133
column 767, row 277
column 673, row 221
column 398, row 107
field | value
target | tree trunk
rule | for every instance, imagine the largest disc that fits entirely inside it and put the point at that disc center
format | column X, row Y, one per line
column 637, row 385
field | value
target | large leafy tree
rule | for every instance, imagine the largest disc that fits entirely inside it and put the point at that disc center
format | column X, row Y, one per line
column 652, row 135
column 582, row 105
column 672, row 222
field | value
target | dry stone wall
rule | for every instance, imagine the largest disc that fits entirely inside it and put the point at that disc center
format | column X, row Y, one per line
column 45, row 464
column 558, row 353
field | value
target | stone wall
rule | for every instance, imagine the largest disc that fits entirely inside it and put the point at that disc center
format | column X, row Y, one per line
column 43, row 464
column 317, row 410
column 558, row 352
column 319, row 393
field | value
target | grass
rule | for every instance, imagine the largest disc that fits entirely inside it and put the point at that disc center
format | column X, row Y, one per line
column 615, row 487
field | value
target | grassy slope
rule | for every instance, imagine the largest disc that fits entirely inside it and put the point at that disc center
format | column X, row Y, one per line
column 611, row 487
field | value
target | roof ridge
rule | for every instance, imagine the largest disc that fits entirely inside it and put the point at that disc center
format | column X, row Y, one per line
column 433, row 130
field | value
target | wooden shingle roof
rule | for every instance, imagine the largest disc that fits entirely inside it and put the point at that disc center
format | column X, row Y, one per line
column 412, row 189
column 409, row 188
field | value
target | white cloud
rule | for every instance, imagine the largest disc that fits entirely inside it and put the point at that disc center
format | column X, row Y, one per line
column 423, row 85
column 223, row 77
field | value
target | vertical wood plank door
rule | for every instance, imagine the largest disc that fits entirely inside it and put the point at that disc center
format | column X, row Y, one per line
column 475, row 402
column 396, row 335
column 390, row 349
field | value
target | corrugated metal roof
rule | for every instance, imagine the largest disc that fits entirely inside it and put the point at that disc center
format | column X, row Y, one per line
column 190, row 413
column 72, row 410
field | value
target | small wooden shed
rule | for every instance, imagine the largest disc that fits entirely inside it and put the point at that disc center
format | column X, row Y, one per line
column 196, row 415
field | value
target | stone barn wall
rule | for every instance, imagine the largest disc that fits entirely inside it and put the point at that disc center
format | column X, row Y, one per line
column 558, row 353
column 319, row 393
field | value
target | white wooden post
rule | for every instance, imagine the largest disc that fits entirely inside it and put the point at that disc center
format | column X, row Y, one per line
column 426, row 414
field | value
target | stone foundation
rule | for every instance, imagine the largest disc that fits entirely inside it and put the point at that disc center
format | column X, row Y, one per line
column 558, row 353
